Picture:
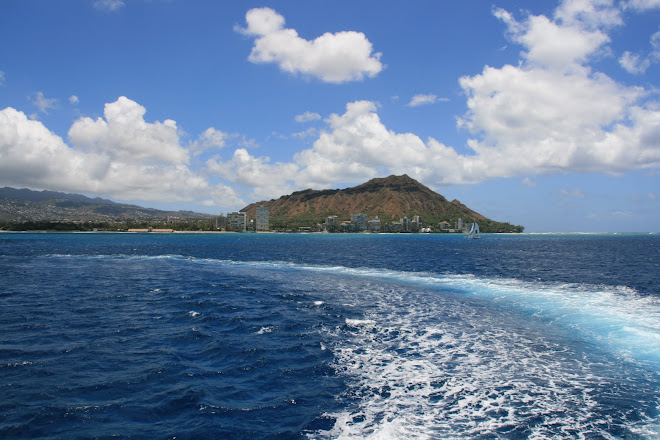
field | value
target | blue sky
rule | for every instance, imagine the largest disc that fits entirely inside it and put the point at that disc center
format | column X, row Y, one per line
column 545, row 114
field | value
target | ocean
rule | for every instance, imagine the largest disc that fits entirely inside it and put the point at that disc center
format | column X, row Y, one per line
column 329, row 336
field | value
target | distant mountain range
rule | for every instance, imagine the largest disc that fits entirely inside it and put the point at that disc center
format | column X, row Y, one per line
column 389, row 198
column 24, row 205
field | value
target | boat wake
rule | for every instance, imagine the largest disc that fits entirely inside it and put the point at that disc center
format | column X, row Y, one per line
column 428, row 355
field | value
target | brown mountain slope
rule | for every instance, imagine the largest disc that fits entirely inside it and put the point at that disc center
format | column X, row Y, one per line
column 388, row 198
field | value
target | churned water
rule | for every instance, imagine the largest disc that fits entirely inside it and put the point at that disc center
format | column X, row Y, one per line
column 324, row 336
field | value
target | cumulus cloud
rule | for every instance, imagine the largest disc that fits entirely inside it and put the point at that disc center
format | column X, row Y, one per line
column 551, row 113
column 73, row 99
column 265, row 179
column 637, row 64
column 42, row 103
column 121, row 156
column 124, row 134
column 211, row 138
column 632, row 63
column 334, row 58
column 561, row 44
column 354, row 146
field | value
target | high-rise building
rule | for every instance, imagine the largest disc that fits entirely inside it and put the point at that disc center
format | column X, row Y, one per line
column 262, row 218
column 374, row 224
column 360, row 221
column 405, row 224
column 237, row 222
column 416, row 223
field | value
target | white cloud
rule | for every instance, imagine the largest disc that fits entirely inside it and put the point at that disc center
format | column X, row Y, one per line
column 550, row 44
column 42, row 103
column 635, row 63
column 311, row 131
column 588, row 14
column 109, row 5
column 359, row 146
column 265, row 179
column 643, row 5
column 335, row 58
column 211, row 138
column 73, row 99
column 423, row 99
column 125, row 135
column 2, row 78
column 121, row 156
column 307, row 117
column 551, row 113
column 31, row 154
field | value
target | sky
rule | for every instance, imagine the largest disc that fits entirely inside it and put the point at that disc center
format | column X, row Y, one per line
column 544, row 114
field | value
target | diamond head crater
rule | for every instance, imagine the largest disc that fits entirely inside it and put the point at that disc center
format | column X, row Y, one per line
column 390, row 204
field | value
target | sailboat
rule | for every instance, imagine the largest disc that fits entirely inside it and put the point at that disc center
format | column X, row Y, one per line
column 474, row 231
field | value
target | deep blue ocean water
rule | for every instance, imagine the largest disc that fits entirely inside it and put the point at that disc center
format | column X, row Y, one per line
column 323, row 336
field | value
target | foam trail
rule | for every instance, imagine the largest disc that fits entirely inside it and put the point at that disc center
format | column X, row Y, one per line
column 429, row 355
column 449, row 369
column 615, row 316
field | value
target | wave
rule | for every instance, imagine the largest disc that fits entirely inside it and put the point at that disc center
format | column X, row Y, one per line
column 617, row 317
column 439, row 355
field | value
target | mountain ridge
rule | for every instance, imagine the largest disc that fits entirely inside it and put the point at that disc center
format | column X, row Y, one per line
column 25, row 205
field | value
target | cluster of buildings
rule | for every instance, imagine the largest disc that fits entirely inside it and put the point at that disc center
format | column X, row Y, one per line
column 239, row 222
column 360, row 222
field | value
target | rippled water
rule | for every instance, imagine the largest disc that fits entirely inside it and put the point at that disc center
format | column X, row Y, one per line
column 329, row 336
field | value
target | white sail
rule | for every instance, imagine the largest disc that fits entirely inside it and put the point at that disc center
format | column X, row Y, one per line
column 474, row 231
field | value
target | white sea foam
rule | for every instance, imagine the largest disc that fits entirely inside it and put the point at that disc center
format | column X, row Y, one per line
column 419, row 377
column 615, row 316
column 193, row 313
column 264, row 330
column 360, row 322
column 451, row 365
